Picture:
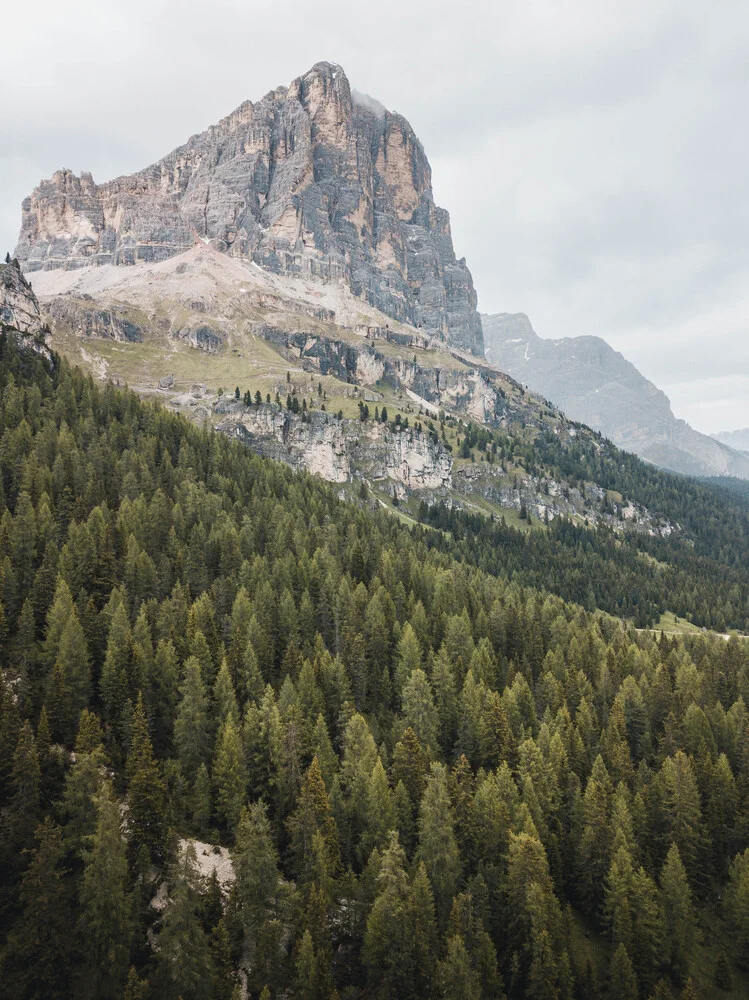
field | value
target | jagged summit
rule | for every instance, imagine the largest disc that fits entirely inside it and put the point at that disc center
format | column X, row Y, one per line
column 309, row 181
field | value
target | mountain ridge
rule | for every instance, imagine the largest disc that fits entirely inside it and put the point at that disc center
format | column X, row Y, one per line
column 595, row 384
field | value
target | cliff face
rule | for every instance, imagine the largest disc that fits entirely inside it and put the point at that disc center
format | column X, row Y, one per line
column 338, row 450
column 20, row 316
column 19, row 308
column 311, row 181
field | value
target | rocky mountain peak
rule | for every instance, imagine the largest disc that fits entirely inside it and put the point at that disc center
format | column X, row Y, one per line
column 311, row 181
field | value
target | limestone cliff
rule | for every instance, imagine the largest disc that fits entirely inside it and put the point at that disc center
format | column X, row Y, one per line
column 19, row 310
column 340, row 450
column 311, row 181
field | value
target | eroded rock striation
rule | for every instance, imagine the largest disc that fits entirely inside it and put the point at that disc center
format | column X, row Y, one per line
column 20, row 315
column 339, row 450
column 19, row 308
column 311, row 181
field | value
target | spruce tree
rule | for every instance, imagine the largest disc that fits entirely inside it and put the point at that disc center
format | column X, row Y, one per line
column 229, row 776
column 191, row 734
column 455, row 977
column 145, row 792
column 313, row 815
column 38, row 954
column 184, row 958
column 438, row 848
column 678, row 915
column 622, row 978
column 104, row 922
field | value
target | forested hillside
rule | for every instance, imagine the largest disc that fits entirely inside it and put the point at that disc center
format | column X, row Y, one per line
column 432, row 781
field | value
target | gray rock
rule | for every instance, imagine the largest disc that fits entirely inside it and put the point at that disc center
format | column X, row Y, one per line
column 19, row 308
column 85, row 319
column 167, row 382
column 593, row 383
column 20, row 316
column 311, row 181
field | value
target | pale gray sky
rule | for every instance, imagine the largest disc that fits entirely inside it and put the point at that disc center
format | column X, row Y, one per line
column 593, row 155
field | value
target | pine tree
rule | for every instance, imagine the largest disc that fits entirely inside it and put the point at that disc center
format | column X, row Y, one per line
column 619, row 899
column 74, row 665
column 455, row 976
column 184, row 959
column 225, row 977
column 622, row 978
column 543, row 972
column 224, row 698
column 381, row 817
column 136, row 989
column 201, row 800
column 438, row 848
column 690, row 990
column 191, row 736
column 497, row 743
column 114, row 683
column 38, row 956
column 313, row 815
column 90, row 735
column 25, row 782
column 410, row 765
column 306, row 980
column 723, row 974
column 229, row 776
column 682, row 810
column 104, row 923
column 392, row 952
column 146, row 792
column 409, row 657
column 419, row 711
column 256, row 866
column 678, row 914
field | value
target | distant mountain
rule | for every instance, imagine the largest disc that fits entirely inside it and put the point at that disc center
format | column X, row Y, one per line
column 734, row 439
column 596, row 385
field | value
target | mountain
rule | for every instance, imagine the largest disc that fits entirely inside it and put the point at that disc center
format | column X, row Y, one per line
column 593, row 383
column 313, row 181
column 738, row 440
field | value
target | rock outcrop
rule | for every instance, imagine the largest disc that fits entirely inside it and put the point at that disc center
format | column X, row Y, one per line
column 20, row 315
column 19, row 308
column 594, row 384
column 340, row 450
column 311, row 181
column 86, row 319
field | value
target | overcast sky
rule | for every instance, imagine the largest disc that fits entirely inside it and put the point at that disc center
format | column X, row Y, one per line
column 593, row 155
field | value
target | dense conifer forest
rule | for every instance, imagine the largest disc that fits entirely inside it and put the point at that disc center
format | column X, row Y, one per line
column 435, row 776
